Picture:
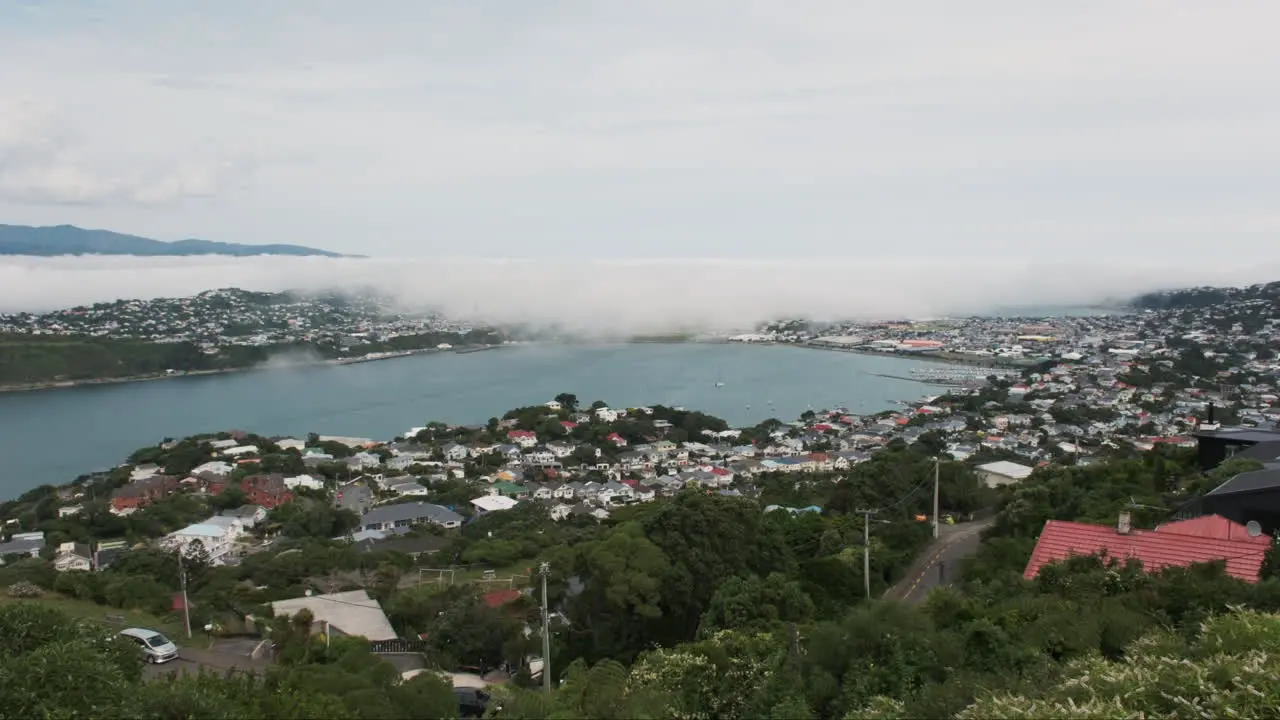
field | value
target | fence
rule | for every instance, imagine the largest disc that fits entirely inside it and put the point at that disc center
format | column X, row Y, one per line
column 386, row 647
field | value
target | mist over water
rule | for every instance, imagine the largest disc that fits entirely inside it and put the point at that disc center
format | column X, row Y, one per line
column 620, row 297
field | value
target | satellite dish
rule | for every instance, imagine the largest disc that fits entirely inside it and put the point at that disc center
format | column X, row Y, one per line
column 1253, row 528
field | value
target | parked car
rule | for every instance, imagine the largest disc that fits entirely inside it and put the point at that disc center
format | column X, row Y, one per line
column 156, row 648
column 472, row 702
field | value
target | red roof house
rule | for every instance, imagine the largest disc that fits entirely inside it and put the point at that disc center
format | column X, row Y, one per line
column 1199, row 540
column 268, row 491
column 616, row 439
column 140, row 492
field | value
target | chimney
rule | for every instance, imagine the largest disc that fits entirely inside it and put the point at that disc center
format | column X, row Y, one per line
column 1124, row 525
column 1209, row 417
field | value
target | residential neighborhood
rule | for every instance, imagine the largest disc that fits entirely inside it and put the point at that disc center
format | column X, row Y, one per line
column 345, row 526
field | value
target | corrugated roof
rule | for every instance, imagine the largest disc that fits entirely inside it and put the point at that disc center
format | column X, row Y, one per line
column 1212, row 526
column 351, row 613
column 1247, row 482
column 1156, row 549
column 1006, row 468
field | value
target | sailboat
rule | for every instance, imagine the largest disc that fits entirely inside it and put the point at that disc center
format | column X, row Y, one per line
column 720, row 381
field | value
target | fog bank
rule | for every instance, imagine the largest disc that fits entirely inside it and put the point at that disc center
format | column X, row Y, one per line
column 642, row 296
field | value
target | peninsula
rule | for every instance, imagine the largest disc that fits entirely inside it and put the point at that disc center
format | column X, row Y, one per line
column 214, row 332
column 72, row 240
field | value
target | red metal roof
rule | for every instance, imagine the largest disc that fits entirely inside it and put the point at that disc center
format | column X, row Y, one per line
column 1176, row 544
column 1213, row 526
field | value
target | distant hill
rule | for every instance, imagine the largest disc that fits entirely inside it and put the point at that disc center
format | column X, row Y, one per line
column 71, row 240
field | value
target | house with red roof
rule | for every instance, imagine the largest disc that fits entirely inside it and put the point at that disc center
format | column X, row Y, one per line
column 1182, row 543
column 616, row 439
column 568, row 424
column 269, row 491
column 523, row 438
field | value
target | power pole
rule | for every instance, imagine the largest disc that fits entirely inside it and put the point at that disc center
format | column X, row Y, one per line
column 544, row 569
column 186, row 606
column 866, row 549
column 937, row 471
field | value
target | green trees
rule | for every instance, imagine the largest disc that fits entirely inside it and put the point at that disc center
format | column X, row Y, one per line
column 1229, row 669
column 51, row 666
column 753, row 603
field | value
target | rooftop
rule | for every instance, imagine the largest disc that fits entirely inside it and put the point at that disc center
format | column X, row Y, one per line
column 1008, row 469
column 1175, row 544
column 351, row 613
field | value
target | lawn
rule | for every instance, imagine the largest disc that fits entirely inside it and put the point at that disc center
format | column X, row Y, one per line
column 170, row 625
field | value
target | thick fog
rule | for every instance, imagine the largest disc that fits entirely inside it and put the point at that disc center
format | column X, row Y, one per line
column 625, row 296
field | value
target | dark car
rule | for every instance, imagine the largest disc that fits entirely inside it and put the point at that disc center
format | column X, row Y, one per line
column 472, row 702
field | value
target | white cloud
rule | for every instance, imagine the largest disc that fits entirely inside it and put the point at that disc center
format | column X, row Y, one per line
column 625, row 296
column 654, row 129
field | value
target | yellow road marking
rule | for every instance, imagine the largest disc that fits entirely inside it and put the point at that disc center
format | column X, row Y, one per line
column 933, row 560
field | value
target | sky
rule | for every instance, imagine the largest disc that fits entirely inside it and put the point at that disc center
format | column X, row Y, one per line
column 1130, row 134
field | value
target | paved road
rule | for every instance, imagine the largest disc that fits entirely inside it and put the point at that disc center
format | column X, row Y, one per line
column 192, row 660
column 356, row 497
column 939, row 564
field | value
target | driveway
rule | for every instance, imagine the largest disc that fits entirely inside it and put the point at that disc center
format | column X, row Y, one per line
column 939, row 564
column 224, row 657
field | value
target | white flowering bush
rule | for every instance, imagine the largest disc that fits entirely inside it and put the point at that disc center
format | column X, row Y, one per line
column 716, row 678
column 1232, row 670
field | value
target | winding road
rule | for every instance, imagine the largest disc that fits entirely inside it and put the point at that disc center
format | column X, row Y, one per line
column 939, row 564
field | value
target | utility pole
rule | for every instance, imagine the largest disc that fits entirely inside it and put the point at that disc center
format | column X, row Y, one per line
column 545, row 569
column 186, row 606
column 937, row 471
column 866, row 549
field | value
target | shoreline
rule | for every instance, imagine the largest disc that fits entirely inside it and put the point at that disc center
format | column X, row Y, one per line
column 334, row 362
column 939, row 358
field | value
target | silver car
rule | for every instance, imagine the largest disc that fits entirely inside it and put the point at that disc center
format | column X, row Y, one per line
column 156, row 648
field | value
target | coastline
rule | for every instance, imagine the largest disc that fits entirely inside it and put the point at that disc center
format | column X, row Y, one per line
column 940, row 358
column 91, row 382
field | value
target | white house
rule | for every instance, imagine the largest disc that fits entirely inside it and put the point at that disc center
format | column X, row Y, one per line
column 215, row 467
column 523, row 438
column 247, row 515
column 605, row 414
column 401, row 463
column 73, row 556
column 142, row 472
column 560, row 450
column 306, row 481
column 1002, row 472
column 561, row 511
column 410, row 489
column 455, row 452
column 239, row 450
column 493, row 503
column 216, row 539
column 540, row 457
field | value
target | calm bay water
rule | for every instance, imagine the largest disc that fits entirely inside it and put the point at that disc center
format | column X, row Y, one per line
column 53, row 436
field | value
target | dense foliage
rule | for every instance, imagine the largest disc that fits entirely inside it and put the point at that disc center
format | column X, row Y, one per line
column 55, row 667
